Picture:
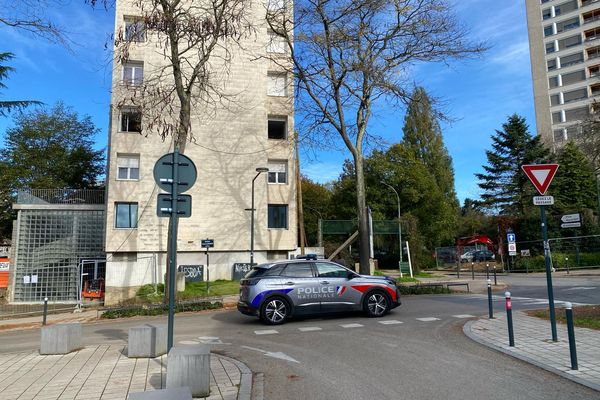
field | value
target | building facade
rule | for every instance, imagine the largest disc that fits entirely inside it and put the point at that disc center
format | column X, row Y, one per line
column 254, row 130
column 564, row 42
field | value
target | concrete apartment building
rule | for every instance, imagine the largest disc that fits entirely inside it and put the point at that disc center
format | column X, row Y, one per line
column 255, row 130
column 564, row 42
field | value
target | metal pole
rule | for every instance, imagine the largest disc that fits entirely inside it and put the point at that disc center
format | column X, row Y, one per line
column 472, row 271
column 399, row 226
column 458, row 269
column 173, row 256
column 495, row 280
column 490, row 303
column 45, row 310
column 207, row 272
column 548, row 274
column 511, row 334
column 487, row 271
column 567, row 262
column 252, row 224
column 320, row 232
column 571, row 331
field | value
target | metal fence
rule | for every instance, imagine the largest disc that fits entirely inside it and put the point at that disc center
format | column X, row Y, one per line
column 61, row 196
column 20, row 310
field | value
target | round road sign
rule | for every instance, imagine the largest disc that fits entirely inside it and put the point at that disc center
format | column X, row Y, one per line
column 163, row 173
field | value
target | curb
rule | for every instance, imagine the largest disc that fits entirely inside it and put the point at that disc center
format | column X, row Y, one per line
column 245, row 390
column 468, row 331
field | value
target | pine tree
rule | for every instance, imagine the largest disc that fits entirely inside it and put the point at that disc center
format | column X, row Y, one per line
column 506, row 189
column 574, row 186
column 6, row 106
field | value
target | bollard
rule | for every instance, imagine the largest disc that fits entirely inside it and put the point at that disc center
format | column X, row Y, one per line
column 511, row 335
column 490, row 303
column 45, row 310
column 571, row 331
column 495, row 280
column 473, row 271
column 487, row 271
column 458, row 270
column 567, row 262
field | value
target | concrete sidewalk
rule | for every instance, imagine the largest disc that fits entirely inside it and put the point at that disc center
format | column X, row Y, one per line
column 533, row 344
column 104, row 372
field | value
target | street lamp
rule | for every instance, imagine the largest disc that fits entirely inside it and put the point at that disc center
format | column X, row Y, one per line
column 259, row 171
column 399, row 225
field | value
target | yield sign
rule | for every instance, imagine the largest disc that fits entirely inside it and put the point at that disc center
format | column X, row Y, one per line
column 540, row 175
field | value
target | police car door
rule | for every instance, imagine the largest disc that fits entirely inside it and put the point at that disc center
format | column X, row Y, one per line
column 335, row 278
column 300, row 277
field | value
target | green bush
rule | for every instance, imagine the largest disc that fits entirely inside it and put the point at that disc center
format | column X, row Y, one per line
column 423, row 289
column 132, row 311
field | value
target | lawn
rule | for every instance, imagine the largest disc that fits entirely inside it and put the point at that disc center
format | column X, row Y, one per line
column 583, row 316
column 193, row 290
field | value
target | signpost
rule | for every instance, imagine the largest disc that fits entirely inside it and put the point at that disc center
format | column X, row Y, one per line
column 175, row 174
column 571, row 221
column 541, row 175
column 207, row 243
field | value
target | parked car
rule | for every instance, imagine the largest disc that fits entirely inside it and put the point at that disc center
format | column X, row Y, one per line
column 467, row 257
column 275, row 291
column 483, row 255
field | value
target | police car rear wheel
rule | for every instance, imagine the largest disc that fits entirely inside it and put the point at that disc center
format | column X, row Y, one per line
column 376, row 304
column 275, row 311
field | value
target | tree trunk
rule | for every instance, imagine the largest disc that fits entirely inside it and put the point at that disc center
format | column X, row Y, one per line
column 363, row 222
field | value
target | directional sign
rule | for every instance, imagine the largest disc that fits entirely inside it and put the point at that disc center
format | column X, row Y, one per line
column 571, row 218
column 184, row 205
column 571, row 225
column 540, row 175
column 543, row 200
column 208, row 243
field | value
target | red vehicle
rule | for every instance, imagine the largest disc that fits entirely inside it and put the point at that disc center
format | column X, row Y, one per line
column 93, row 289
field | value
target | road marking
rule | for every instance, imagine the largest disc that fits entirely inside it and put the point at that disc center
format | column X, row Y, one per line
column 582, row 288
column 266, row 332
column 210, row 340
column 351, row 326
column 276, row 354
column 390, row 322
column 464, row 316
column 428, row 319
column 310, row 329
column 188, row 342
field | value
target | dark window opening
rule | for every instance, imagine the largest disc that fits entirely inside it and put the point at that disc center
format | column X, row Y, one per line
column 277, row 129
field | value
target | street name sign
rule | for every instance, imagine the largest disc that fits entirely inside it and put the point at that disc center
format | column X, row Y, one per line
column 540, row 175
column 571, row 218
column 208, row 243
column 571, row 225
column 543, row 200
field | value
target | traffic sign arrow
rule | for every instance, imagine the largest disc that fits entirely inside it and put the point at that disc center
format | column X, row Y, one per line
column 570, row 218
column 540, row 175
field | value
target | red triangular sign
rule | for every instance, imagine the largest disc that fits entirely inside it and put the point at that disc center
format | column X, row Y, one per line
column 540, row 175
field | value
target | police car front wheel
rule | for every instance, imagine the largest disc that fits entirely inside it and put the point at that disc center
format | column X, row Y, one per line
column 376, row 304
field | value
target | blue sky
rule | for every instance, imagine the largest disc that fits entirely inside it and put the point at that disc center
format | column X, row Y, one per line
column 477, row 94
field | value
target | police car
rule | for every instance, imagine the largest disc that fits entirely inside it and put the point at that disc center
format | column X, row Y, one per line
column 275, row 291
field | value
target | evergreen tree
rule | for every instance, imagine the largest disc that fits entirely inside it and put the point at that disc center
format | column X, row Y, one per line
column 574, row 186
column 7, row 106
column 506, row 189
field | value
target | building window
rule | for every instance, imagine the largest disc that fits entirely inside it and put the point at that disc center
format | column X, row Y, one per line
column 278, row 216
column 573, row 77
column 565, row 8
column 575, row 95
column 551, row 64
column 587, row 2
column 135, row 30
column 128, row 167
column 594, row 52
column 554, row 100
column 571, row 59
column 133, row 73
column 577, row 114
column 277, row 128
column 556, row 117
column 559, row 135
column 550, row 48
column 276, row 43
column 569, row 42
column 548, row 31
column 547, row 13
column 126, row 215
column 566, row 25
column 553, row 82
column 276, row 84
column 594, row 70
column 591, row 16
column 277, row 172
column 131, row 120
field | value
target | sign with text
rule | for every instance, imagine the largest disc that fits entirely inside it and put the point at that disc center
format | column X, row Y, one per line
column 207, row 243
column 571, row 218
column 525, row 253
column 512, row 249
column 239, row 270
column 540, row 175
column 571, row 225
column 543, row 200
column 193, row 273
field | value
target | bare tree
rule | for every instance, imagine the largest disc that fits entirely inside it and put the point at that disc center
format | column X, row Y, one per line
column 30, row 16
column 351, row 56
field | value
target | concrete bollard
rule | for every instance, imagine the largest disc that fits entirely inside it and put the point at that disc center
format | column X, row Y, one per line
column 147, row 341
column 189, row 366
column 61, row 338
column 180, row 393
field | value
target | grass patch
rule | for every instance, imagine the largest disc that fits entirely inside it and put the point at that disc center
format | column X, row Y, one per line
column 193, row 290
column 159, row 309
column 423, row 289
column 406, row 279
column 583, row 316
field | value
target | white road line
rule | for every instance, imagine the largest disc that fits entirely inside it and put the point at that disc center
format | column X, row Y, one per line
column 464, row 316
column 310, row 329
column 186, row 342
column 351, row 326
column 428, row 319
column 266, row 332
column 390, row 322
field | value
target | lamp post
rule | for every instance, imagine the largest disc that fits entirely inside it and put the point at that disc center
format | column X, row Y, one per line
column 259, row 171
column 399, row 225
column 319, row 227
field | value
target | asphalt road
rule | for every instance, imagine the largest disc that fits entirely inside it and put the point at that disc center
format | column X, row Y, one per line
column 418, row 351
